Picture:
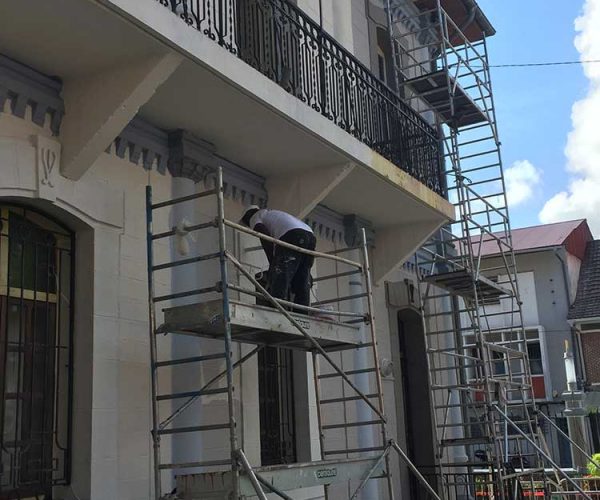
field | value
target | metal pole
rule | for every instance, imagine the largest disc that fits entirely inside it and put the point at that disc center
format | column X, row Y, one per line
column 253, row 479
column 318, row 401
column 298, row 327
column 566, row 436
column 216, row 378
column 415, row 471
column 541, row 452
column 394, row 46
column 227, row 327
column 285, row 244
column 371, row 472
column 272, row 488
column 153, row 347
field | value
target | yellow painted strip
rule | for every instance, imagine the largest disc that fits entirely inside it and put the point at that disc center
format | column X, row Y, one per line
column 417, row 189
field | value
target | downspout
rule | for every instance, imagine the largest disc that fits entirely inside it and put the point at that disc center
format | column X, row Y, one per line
column 574, row 339
column 574, row 397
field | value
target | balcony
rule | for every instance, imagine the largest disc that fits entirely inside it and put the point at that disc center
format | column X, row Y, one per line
column 259, row 82
column 284, row 44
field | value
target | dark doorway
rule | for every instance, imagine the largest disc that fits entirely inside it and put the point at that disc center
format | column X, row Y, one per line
column 418, row 429
column 276, row 401
column 564, row 446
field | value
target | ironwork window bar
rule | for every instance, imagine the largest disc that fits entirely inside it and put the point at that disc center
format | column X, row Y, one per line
column 36, row 284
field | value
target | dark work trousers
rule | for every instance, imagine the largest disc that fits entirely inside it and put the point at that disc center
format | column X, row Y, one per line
column 289, row 272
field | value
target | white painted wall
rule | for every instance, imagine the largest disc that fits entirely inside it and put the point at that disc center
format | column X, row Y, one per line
column 111, row 402
column 112, row 449
column 345, row 20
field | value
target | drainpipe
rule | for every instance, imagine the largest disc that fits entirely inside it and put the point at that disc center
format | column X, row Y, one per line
column 574, row 398
column 557, row 252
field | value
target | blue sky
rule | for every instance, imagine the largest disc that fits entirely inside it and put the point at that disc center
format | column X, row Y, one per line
column 534, row 104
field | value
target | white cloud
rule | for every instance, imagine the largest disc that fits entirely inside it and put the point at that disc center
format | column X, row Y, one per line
column 582, row 198
column 521, row 179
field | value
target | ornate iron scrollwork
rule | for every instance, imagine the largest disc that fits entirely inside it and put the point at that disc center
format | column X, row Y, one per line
column 287, row 46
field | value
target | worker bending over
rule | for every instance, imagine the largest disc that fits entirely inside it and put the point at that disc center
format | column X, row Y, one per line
column 289, row 270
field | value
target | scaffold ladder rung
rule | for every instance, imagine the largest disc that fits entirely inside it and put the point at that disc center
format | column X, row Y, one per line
column 352, row 424
column 221, row 326
column 194, row 465
column 191, row 394
column 346, row 399
column 196, row 428
column 193, row 359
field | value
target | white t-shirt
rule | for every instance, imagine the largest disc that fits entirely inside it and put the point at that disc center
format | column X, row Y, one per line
column 277, row 222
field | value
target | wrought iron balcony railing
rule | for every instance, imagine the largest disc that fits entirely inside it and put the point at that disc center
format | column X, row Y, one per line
column 283, row 43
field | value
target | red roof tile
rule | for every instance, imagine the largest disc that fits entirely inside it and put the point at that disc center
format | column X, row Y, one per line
column 574, row 235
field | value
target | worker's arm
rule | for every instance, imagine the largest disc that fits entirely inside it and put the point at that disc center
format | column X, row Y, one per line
column 268, row 247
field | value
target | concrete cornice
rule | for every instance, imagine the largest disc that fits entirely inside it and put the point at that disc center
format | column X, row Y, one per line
column 190, row 156
column 405, row 12
column 23, row 87
column 146, row 142
column 327, row 224
column 239, row 184
column 184, row 155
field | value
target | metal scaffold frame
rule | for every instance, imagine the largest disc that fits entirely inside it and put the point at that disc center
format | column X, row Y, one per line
column 486, row 420
column 359, row 465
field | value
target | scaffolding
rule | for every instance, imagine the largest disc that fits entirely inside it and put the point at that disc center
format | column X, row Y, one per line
column 230, row 311
column 488, row 441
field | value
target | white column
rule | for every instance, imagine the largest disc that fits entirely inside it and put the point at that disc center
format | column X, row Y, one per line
column 342, row 23
column 361, row 361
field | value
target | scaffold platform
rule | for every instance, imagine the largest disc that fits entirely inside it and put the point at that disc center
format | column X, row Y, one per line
column 283, row 478
column 445, row 95
column 238, row 309
column 261, row 325
column 463, row 283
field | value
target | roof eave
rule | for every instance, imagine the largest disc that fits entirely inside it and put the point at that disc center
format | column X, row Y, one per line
column 480, row 17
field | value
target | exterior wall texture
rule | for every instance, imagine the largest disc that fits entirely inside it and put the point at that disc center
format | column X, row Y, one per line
column 106, row 210
column 112, row 450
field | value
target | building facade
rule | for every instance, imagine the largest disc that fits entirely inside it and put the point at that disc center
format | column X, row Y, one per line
column 99, row 99
column 549, row 260
column 583, row 316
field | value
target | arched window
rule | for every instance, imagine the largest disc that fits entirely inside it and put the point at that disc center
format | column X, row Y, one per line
column 36, row 276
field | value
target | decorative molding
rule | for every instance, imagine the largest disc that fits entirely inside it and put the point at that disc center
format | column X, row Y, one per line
column 190, row 157
column 239, row 184
column 353, row 225
column 407, row 13
column 327, row 224
column 47, row 167
column 142, row 141
column 23, row 86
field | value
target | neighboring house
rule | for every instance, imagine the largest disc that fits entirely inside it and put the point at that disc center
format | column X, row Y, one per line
column 585, row 318
column 548, row 258
column 99, row 98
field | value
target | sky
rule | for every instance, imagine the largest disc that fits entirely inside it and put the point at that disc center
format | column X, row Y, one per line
column 548, row 117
